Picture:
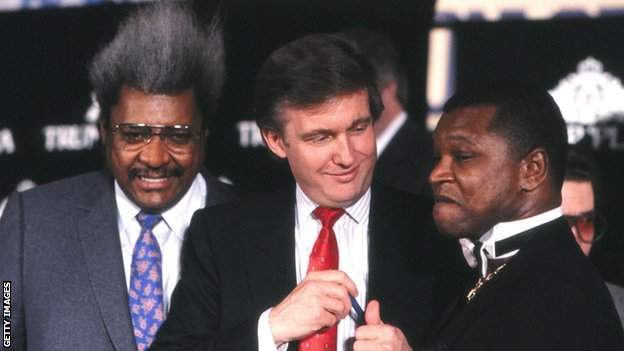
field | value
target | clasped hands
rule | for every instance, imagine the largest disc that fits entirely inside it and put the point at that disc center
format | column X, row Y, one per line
column 322, row 300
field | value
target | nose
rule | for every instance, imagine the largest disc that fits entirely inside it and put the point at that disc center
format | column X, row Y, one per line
column 441, row 172
column 344, row 154
column 155, row 154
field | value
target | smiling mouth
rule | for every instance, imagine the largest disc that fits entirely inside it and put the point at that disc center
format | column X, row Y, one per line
column 153, row 183
column 153, row 179
column 345, row 176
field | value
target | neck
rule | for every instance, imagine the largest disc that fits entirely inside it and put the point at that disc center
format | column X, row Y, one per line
column 391, row 111
column 538, row 203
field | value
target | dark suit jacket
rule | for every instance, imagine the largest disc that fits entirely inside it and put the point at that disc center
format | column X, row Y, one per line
column 62, row 253
column 548, row 297
column 239, row 260
column 406, row 162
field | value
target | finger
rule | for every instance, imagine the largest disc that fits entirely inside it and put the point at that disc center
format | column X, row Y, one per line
column 337, row 291
column 367, row 332
column 329, row 296
column 325, row 319
column 365, row 345
column 338, row 307
column 334, row 276
column 372, row 315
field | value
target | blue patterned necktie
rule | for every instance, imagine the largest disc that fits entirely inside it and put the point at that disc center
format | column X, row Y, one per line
column 146, row 291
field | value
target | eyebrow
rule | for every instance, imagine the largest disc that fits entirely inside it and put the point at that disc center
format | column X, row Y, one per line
column 460, row 138
column 320, row 131
column 326, row 131
column 361, row 120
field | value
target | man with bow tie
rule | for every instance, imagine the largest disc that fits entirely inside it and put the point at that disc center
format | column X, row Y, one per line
column 281, row 271
column 500, row 154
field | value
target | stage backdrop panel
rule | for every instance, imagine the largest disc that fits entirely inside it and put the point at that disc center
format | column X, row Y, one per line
column 48, row 121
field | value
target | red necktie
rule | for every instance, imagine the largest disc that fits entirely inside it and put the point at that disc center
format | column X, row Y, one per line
column 324, row 256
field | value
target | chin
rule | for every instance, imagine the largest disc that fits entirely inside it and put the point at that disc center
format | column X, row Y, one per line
column 155, row 204
column 347, row 199
column 448, row 232
column 448, row 227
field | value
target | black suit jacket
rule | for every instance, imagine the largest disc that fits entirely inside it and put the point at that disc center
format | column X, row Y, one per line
column 407, row 160
column 547, row 297
column 61, row 252
column 239, row 260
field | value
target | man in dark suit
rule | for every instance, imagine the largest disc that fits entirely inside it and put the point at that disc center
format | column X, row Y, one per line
column 500, row 160
column 404, row 147
column 92, row 260
column 280, row 272
column 581, row 205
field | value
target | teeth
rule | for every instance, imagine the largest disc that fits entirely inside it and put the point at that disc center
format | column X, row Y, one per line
column 152, row 180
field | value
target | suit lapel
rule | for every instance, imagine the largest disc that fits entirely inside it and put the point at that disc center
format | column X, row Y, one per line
column 392, row 256
column 492, row 293
column 99, row 237
column 271, row 256
column 216, row 192
column 503, row 285
column 378, row 259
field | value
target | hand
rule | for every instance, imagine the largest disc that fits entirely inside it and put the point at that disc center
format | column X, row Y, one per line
column 376, row 335
column 319, row 301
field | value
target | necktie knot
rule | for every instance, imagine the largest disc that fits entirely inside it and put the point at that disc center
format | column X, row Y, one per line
column 328, row 216
column 488, row 262
column 148, row 221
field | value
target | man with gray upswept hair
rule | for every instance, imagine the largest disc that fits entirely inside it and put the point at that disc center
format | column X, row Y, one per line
column 93, row 259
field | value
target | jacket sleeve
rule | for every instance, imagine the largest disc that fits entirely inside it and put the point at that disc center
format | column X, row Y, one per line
column 194, row 321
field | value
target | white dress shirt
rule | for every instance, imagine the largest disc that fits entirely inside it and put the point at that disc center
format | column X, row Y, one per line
column 3, row 203
column 384, row 138
column 503, row 231
column 169, row 232
column 351, row 231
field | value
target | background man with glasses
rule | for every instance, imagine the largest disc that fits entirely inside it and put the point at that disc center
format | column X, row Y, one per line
column 579, row 199
column 93, row 259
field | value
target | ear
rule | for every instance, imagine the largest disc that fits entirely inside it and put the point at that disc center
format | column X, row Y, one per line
column 274, row 142
column 534, row 169
column 103, row 134
column 389, row 91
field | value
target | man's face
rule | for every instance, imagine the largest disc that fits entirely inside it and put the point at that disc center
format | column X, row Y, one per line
column 475, row 179
column 153, row 176
column 330, row 148
column 577, row 200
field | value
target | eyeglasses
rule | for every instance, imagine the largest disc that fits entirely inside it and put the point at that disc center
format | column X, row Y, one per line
column 178, row 138
column 590, row 227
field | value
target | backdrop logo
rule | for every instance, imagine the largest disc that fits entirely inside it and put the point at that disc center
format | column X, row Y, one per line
column 592, row 103
column 249, row 134
column 448, row 11
column 7, row 145
column 35, row 4
column 74, row 137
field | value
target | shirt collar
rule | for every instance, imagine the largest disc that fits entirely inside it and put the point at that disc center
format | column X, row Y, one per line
column 383, row 139
column 3, row 203
column 176, row 218
column 501, row 231
column 305, row 206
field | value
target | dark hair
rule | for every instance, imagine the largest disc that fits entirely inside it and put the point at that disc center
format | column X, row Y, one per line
column 308, row 72
column 526, row 116
column 384, row 58
column 581, row 166
column 161, row 49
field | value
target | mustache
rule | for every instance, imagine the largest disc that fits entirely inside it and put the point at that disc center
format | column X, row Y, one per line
column 163, row 172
